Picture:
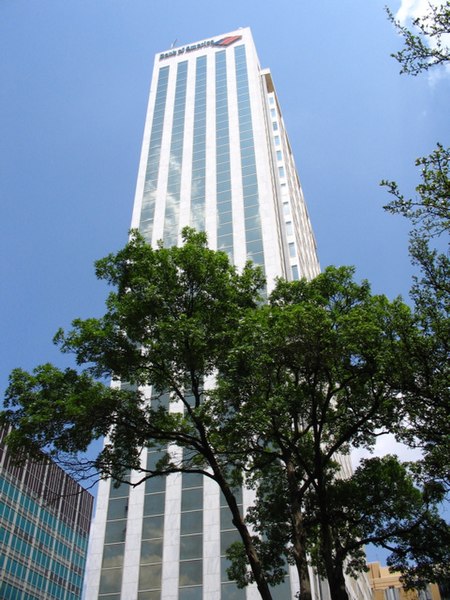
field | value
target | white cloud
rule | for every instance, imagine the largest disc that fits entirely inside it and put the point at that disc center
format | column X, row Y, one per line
column 411, row 9
column 386, row 444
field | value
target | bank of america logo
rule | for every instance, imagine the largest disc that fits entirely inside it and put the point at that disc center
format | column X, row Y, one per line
column 227, row 41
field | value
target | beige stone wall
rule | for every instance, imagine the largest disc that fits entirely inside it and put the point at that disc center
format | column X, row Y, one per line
column 381, row 579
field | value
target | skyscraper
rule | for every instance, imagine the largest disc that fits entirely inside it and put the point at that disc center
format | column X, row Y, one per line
column 215, row 156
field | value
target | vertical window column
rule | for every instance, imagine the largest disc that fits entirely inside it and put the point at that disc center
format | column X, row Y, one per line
column 171, row 218
column 253, row 232
column 191, row 537
column 223, row 173
column 228, row 535
column 199, row 148
column 154, row 151
column 113, row 551
column 152, row 531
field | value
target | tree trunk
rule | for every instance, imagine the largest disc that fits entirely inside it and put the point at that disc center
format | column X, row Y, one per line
column 238, row 522
column 298, row 534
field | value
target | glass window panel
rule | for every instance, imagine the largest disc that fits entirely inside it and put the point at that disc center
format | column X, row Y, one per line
column 279, row 155
column 224, row 186
column 246, row 135
column 249, row 202
column 152, row 527
column 117, row 508
column 154, row 504
column 113, row 555
column 225, row 229
column 229, row 591
column 191, row 572
column 226, row 518
column 277, row 140
column 292, row 249
column 254, row 247
column 250, row 190
column 282, row 591
column 191, row 593
column 247, row 144
column 191, row 546
column 191, row 522
column 248, row 152
column 115, row 531
column 248, row 180
column 248, row 161
column 226, row 539
column 192, row 499
column 253, row 234
column 192, row 480
column 150, row 577
column 224, row 216
column 110, row 581
column 237, row 494
column 281, row 171
column 225, row 241
column 150, row 595
column 151, row 551
column 295, row 276
column 252, row 221
column 249, row 169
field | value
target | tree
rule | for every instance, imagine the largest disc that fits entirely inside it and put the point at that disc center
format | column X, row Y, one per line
column 168, row 325
column 316, row 371
column 274, row 392
column 429, row 46
column 426, row 421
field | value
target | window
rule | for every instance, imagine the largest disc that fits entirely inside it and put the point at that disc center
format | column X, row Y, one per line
column 277, row 140
column 275, row 126
column 292, row 249
column 281, row 172
column 279, row 155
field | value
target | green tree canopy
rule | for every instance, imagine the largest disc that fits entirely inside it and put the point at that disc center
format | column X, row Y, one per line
column 274, row 393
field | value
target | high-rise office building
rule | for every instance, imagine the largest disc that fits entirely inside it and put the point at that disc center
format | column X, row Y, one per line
column 215, row 156
column 44, row 527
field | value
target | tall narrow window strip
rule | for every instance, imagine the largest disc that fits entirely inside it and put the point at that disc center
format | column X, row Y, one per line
column 223, row 172
column 199, row 148
column 172, row 212
column 114, row 548
column 154, row 153
column 153, row 527
column 253, row 231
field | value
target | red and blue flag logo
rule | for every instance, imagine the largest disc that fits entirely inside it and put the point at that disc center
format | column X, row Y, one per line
column 227, row 41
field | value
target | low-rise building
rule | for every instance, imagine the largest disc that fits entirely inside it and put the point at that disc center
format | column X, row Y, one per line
column 44, row 528
column 387, row 586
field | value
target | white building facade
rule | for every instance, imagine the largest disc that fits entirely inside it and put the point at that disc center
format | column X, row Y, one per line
column 215, row 156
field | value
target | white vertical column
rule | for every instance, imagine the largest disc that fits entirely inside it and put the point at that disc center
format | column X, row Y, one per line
column 96, row 543
column 132, row 556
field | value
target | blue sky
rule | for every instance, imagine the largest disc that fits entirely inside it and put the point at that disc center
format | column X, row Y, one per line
column 74, row 79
